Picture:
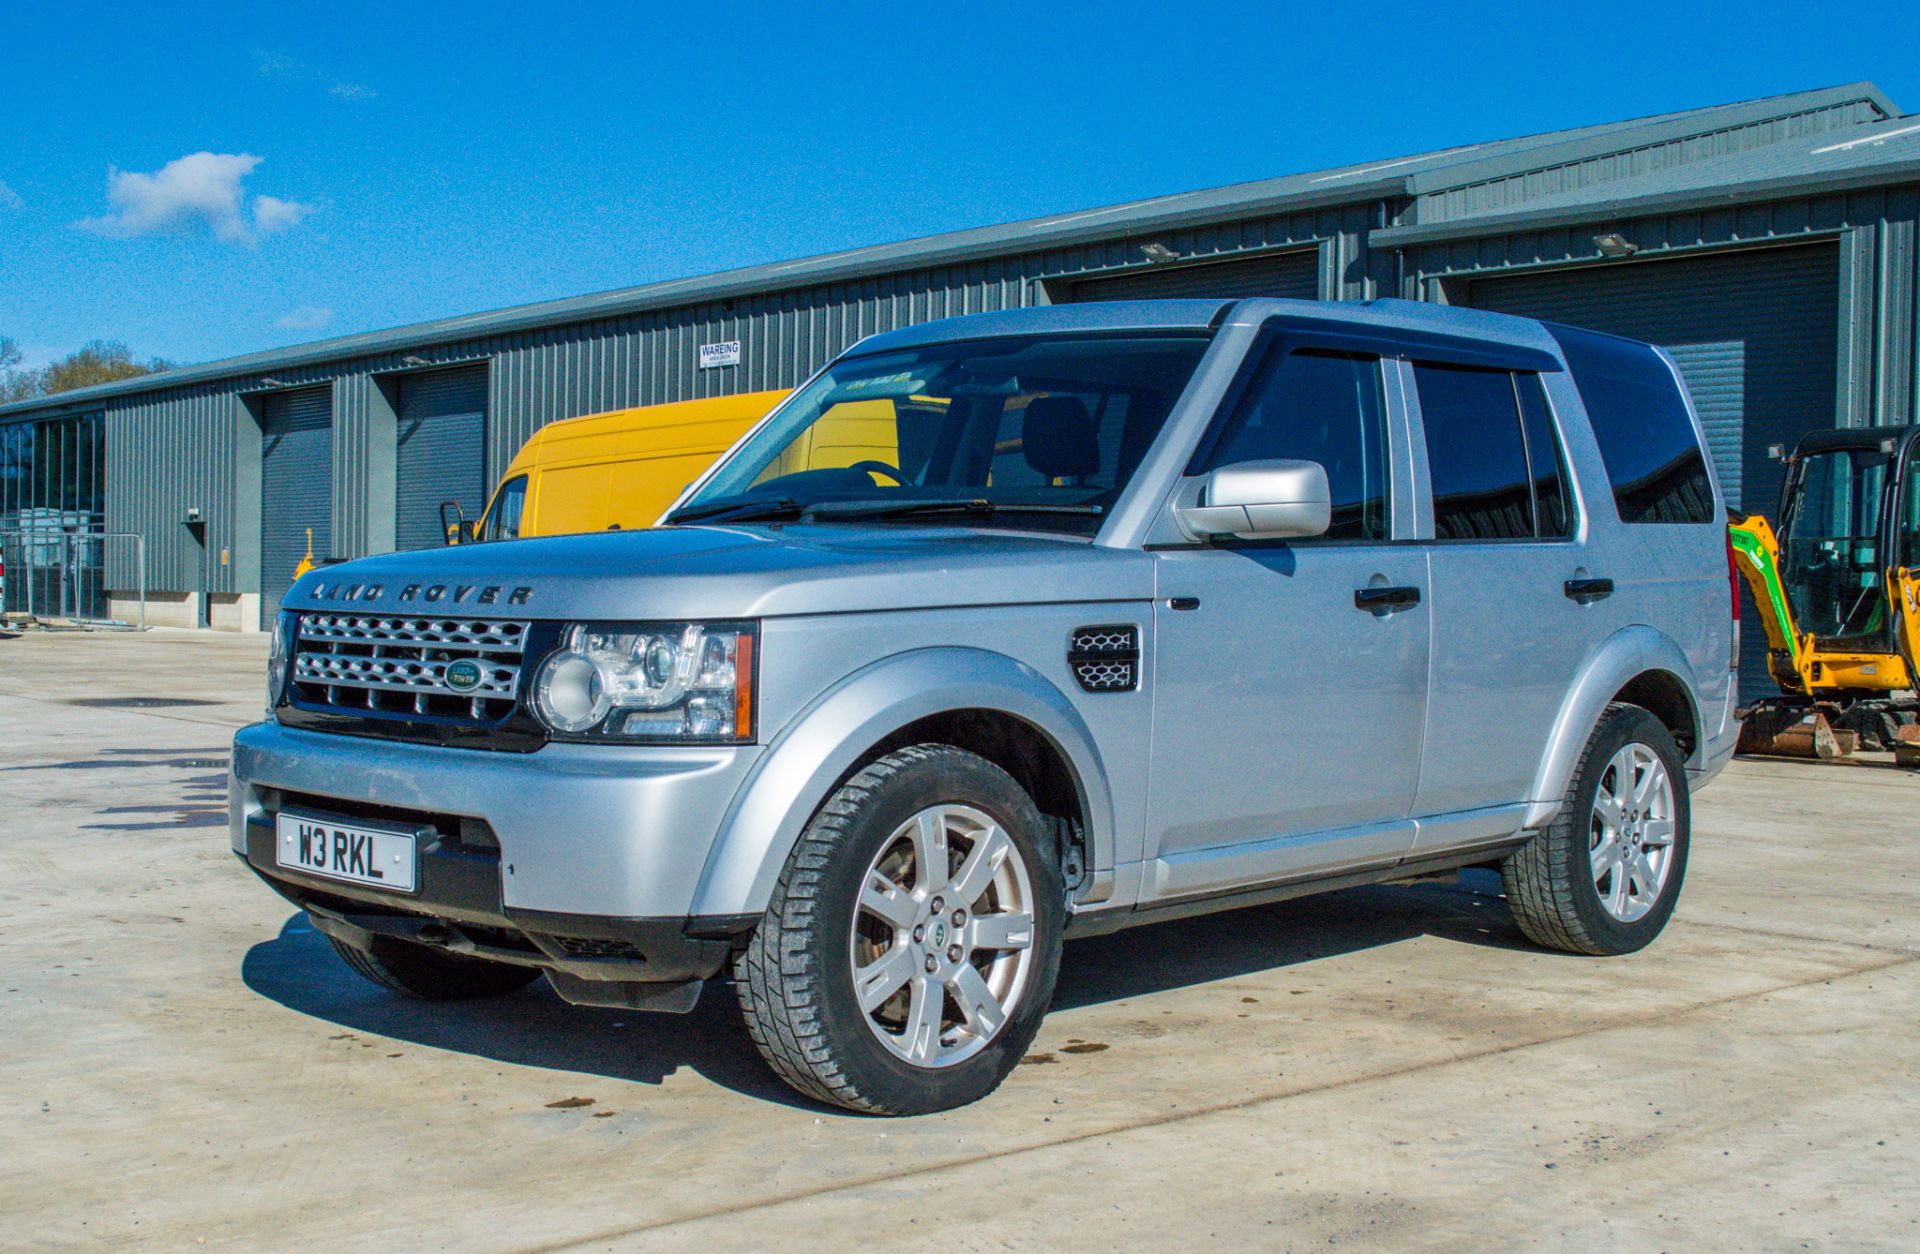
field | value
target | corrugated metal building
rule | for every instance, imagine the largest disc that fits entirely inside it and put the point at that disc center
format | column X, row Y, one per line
column 1769, row 244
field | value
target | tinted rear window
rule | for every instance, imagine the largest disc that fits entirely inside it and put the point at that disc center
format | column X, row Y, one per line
column 1640, row 421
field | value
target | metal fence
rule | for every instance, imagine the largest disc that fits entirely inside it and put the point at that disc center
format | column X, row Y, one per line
column 55, row 571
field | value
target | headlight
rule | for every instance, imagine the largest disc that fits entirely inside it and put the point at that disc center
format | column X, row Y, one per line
column 673, row 682
column 278, row 655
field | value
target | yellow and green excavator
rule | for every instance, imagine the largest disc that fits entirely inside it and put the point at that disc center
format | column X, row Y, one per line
column 1837, row 587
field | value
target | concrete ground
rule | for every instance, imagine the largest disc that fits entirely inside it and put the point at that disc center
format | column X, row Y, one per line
column 183, row 1061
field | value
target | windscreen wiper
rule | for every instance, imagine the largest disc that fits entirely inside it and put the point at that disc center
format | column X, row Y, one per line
column 737, row 511
column 977, row 505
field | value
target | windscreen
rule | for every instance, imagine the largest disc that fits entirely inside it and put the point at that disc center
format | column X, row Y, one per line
column 1039, row 431
column 1831, row 542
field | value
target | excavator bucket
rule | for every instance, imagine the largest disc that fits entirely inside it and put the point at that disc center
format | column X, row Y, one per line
column 1795, row 733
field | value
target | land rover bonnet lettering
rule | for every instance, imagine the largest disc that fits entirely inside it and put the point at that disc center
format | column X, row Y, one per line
column 456, row 594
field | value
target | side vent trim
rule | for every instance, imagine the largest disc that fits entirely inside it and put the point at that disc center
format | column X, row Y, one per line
column 1105, row 658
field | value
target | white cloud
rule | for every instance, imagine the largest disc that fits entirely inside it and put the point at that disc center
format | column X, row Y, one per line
column 9, row 199
column 279, row 65
column 305, row 318
column 271, row 215
column 201, row 189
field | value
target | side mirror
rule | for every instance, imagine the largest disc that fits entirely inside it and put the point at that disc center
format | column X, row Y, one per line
column 453, row 523
column 1271, row 500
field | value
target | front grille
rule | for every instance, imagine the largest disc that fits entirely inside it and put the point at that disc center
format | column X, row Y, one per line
column 355, row 663
column 1107, row 658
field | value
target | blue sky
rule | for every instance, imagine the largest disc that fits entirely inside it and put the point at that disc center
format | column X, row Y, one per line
column 369, row 165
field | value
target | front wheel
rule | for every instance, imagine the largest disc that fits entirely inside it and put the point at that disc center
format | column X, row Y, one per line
column 911, row 946
column 1604, row 877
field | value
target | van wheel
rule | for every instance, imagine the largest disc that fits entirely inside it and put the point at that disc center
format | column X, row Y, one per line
column 911, row 946
column 431, row 974
column 1603, row 878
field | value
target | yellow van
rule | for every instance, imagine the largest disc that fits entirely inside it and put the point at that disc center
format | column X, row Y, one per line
column 614, row 470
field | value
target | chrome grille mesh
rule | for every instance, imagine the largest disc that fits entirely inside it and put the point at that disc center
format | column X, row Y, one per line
column 1106, row 658
column 398, row 664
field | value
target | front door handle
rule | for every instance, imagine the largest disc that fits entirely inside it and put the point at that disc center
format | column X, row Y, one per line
column 1385, row 600
column 1587, row 591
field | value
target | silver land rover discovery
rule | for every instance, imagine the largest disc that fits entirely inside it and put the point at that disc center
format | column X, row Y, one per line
column 1016, row 627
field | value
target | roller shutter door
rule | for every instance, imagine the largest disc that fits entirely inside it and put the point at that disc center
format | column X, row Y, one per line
column 296, row 488
column 1294, row 274
column 1753, row 333
column 442, row 451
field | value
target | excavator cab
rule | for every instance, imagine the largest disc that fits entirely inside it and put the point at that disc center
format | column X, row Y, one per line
column 1831, row 541
column 1838, row 586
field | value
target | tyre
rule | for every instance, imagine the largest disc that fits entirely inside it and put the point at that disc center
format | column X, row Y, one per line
column 433, row 974
column 912, row 942
column 1604, row 877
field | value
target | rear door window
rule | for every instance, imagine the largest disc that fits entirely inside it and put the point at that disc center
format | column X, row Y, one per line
column 1640, row 420
column 1321, row 407
column 1546, row 459
column 1476, row 454
column 1495, row 461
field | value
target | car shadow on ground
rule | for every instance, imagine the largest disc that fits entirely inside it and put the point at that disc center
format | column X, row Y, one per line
column 1237, row 943
column 534, row 1028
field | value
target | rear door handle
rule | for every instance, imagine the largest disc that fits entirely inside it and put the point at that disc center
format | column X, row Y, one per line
column 1587, row 591
column 1385, row 600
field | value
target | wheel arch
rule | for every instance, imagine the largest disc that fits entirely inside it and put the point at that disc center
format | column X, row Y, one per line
column 1637, row 665
column 975, row 699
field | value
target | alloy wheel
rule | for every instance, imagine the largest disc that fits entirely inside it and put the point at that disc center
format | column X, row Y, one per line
column 942, row 943
column 1630, row 832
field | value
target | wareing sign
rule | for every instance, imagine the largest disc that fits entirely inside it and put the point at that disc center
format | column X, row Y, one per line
column 725, row 353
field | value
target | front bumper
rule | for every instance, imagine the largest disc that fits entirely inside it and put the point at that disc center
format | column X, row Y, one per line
column 458, row 908
column 596, row 831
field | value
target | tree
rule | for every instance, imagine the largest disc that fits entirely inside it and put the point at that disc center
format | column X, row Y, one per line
column 15, row 384
column 97, row 361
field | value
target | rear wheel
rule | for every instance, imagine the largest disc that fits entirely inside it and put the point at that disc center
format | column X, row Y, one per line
column 1604, row 877
column 432, row 974
column 911, row 946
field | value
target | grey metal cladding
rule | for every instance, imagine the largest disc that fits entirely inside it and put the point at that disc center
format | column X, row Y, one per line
column 1466, row 190
column 164, row 457
column 1294, row 274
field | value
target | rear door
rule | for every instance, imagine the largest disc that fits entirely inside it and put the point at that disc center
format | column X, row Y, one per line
column 1517, row 607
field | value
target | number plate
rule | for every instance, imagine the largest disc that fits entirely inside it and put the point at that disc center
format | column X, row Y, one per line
column 379, row 857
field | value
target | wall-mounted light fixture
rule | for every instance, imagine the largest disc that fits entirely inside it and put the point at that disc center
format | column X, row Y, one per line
column 271, row 383
column 1159, row 252
column 413, row 360
column 1613, row 244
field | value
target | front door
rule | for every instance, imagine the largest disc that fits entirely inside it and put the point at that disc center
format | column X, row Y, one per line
column 1290, row 679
